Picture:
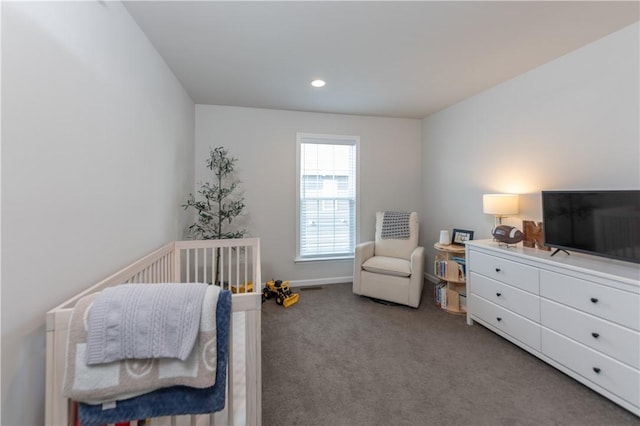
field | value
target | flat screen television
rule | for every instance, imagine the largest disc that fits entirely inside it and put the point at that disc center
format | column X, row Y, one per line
column 602, row 223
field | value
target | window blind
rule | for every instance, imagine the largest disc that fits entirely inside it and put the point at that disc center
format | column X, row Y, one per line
column 327, row 195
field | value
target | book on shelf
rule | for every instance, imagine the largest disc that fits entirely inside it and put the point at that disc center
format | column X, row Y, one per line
column 441, row 268
column 461, row 272
column 463, row 301
column 440, row 294
column 443, row 297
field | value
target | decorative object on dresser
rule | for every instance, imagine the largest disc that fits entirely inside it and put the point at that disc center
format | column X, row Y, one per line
column 508, row 235
column 500, row 205
column 533, row 235
column 580, row 314
column 449, row 267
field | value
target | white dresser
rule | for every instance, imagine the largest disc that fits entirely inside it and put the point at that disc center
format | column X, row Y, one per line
column 579, row 313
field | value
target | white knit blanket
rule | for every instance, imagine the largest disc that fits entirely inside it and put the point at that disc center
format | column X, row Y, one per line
column 123, row 379
column 144, row 321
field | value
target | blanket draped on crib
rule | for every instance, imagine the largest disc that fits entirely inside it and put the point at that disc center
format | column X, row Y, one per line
column 175, row 400
column 130, row 377
column 133, row 321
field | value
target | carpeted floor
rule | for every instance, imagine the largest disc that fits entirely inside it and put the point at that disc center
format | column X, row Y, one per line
column 335, row 358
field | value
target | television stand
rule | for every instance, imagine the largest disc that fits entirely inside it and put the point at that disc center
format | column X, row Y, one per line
column 557, row 250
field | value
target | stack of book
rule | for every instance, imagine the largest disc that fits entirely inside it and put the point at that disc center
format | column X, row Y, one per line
column 441, row 268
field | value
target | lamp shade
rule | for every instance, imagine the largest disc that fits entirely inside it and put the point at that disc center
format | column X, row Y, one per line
column 500, row 204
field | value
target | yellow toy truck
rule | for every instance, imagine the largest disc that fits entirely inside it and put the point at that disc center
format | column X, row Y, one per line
column 281, row 291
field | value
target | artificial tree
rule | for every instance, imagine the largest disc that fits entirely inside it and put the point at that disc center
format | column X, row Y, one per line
column 219, row 203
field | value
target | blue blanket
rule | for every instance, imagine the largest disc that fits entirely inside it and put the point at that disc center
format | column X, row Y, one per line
column 175, row 400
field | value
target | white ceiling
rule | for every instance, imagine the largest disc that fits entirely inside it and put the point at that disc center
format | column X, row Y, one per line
column 395, row 59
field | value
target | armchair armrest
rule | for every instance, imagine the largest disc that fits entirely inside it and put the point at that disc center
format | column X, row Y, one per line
column 417, row 261
column 417, row 276
column 363, row 252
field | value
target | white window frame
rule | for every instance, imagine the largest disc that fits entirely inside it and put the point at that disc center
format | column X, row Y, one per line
column 329, row 140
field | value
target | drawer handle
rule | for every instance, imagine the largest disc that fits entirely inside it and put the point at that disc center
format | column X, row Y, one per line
column 595, row 335
column 498, row 269
column 594, row 300
column 498, row 294
column 499, row 319
column 597, row 370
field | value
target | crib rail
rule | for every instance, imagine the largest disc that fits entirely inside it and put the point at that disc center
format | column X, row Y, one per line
column 233, row 264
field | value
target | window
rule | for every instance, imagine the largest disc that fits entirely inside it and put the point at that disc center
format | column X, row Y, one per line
column 326, row 197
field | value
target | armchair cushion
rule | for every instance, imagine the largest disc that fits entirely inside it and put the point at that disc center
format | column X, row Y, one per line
column 388, row 266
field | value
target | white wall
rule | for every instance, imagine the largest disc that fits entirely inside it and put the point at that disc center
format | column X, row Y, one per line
column 264, row 142
column 569, row 124
column 97, row 154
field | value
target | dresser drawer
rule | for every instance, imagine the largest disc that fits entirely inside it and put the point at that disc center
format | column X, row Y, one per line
column 512, row 273
column 514, row 325
column 511, row 298
column 605, row 302
column 606, row 372
column 611, row 339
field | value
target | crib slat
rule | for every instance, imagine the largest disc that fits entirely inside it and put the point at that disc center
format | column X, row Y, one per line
column 188, row 268
column 238, row 280
column 246, row 266
column 215, row 266
column 222, row 268
column 204, row 264
column 165, row 268
column 196, row 269
column 176, row 273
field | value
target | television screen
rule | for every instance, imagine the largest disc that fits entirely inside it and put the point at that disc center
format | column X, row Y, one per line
column 603, row 223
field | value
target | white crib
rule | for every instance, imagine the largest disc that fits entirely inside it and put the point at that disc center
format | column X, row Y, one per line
column 234, row 263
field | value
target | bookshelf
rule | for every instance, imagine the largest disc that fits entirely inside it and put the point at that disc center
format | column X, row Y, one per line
column 450, row 267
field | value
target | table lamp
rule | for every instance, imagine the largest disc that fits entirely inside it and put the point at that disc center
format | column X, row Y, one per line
column 500, row 205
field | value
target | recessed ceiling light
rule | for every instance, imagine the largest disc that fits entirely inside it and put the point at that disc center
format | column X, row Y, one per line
column 318, row 83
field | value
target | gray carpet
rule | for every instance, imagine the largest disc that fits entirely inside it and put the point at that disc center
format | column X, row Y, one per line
column 335, row 358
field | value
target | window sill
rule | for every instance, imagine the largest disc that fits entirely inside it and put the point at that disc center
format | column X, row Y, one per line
column 322, row 259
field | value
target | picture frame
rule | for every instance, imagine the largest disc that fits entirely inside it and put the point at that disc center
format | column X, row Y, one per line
column 461, row 236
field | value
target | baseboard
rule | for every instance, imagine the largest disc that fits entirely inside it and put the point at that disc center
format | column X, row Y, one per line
column 320, row 281
column 431, row 278
column 342, row 280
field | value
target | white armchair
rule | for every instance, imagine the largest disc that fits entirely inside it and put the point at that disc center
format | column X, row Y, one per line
column 390, row 269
